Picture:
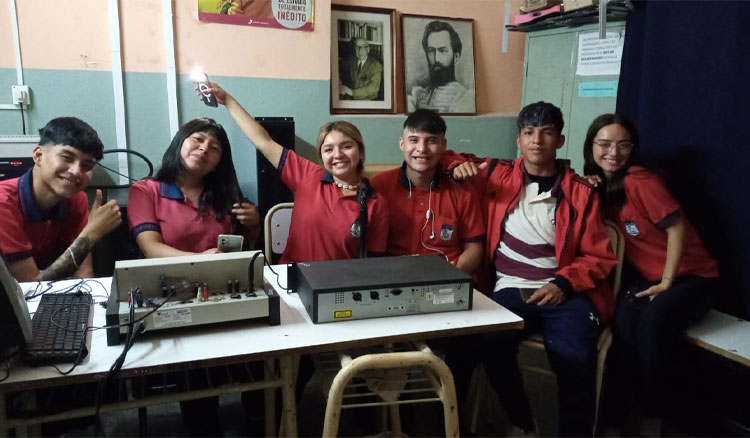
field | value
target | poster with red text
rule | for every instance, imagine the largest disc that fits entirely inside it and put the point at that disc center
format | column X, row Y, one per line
column 279, row 14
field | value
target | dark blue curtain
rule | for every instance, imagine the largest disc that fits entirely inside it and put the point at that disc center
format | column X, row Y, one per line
column 685, row 83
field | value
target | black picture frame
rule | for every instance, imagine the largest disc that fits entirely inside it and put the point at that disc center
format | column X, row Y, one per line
column 369, row 87
column 446, row 93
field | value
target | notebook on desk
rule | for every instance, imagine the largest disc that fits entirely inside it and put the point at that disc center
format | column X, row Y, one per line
column 56, row 334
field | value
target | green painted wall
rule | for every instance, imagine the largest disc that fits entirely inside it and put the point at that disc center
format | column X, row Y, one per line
column 147, row 120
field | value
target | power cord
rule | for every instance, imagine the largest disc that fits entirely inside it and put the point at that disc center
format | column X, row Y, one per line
column 123, row 186
column 79, row 358
column 132, row 334
column 23, row 121
column 278, row 283
column 7, row 368
column 132, row 303
column 251, row 271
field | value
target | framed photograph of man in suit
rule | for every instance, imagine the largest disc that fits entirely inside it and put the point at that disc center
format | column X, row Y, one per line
column 439, row 64
column 362, row 60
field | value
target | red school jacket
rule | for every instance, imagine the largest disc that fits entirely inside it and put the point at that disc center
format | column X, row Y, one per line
column 582, row 246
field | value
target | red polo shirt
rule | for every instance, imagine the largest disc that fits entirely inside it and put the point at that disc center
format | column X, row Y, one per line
column 161, row 207
column 648, row 211
column 323, row 219
column 455, row 215
column 27, row 232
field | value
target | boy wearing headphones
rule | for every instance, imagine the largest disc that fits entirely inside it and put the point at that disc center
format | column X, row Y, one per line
column 429, row 212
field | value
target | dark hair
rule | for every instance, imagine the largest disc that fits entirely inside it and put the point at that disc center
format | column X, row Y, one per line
column 220, row 186
column 349, row 130
column 540, row 114
column 612, row 189
column 424, row 120
column 74, row 132
column 439, row 26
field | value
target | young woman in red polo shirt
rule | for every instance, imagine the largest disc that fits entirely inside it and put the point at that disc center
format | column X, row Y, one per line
column 193, row 198
column 668, row 277
column 325, row 218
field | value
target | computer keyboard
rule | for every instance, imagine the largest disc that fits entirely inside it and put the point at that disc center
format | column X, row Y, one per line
column 58, row 329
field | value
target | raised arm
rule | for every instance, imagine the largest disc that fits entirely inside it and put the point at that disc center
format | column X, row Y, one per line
column 257, row 135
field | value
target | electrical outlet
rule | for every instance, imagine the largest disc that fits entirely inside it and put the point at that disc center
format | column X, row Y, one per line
column 21, row 95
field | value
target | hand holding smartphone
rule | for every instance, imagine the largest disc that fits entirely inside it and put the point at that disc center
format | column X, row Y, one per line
column 230, row 243
column 526, row 293
column 201, row 80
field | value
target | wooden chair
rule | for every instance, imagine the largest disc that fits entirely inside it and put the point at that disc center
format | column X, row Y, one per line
column 536, row 340
column 276, row 230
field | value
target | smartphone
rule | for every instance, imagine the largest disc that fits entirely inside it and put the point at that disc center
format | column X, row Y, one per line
column 230, row 243
column 208, row 98
column 527, row 292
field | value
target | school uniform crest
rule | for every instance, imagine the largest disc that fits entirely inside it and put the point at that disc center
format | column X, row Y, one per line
column 632, row 229
column 446, row 232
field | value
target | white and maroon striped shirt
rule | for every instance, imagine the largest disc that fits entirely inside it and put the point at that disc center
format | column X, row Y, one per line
column 525, row 256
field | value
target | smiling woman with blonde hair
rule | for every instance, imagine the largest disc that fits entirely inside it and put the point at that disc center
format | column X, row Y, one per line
column 326, row 222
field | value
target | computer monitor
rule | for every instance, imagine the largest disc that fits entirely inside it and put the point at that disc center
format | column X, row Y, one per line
column 15, row 322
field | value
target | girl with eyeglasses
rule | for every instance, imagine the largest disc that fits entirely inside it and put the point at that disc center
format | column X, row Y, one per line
column 328, row 210
column 668, row 277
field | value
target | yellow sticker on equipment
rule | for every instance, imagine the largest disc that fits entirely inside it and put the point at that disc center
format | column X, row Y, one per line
column 339, row 314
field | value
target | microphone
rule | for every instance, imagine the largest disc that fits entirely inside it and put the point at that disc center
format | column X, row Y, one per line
column 362, row 200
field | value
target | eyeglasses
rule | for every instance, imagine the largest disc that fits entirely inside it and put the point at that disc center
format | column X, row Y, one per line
column 622, row 146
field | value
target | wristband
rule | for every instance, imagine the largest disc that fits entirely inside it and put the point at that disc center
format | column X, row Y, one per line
column 73, row 257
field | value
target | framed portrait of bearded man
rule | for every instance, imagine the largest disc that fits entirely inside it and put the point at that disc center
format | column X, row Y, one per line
column 439, row 64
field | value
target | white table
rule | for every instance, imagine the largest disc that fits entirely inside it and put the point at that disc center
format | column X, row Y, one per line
column 221, row 344
column 722, row 334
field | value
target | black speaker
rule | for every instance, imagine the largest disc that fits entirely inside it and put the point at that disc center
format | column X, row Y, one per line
column 117, row 245
column 271, row 190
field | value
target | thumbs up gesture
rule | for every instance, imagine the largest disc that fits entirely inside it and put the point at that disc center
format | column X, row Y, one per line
column 102, row 218
column 468, row 170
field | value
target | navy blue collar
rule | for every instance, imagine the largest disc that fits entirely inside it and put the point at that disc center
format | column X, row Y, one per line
column 170, row 191
column 371, row 193
column 404, row 180
column 29, row 207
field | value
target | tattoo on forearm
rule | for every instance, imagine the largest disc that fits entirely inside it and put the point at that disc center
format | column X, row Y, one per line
column 65, row 265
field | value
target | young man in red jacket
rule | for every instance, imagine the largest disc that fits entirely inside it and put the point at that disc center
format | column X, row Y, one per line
column 549, row 254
